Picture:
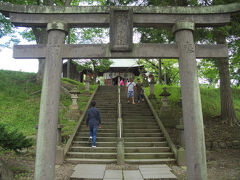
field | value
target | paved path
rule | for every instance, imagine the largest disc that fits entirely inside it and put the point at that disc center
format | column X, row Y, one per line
column 99, row 172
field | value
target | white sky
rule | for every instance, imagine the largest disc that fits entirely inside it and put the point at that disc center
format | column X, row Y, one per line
column 7, row 62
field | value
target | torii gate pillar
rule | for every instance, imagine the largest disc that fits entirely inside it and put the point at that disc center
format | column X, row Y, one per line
column 192, row 108
column 48, row 116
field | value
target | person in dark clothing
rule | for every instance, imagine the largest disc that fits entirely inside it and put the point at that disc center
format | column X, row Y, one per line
column 140, row 91
column 93, row 121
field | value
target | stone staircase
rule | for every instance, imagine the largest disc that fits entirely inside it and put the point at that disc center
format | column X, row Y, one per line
column 105, row 152
column 143, row 140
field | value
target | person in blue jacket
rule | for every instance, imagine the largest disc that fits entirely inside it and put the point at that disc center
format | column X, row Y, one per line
column 93, row 121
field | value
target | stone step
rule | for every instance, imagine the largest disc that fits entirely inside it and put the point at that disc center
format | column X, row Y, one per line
column 141, row 130
column 150, row 161
column 151, row 155
column 98, row 144
column 100, row 134
column 136, row 111
column 136, row 115
column 146, row 149
column 137, row 123
column 106, row 126
column 145, row 144
column 100, row 139
column 90, row 161
column 130, row 105
column 144, row 139
column 96, row 149
column 112, row 109
column 138, row 118
column 140, row 126
column 100, row 130
column 108, row 114
column 92, row 155
column 142, row 135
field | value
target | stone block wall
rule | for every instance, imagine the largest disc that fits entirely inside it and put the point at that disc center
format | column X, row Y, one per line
column 213, row 145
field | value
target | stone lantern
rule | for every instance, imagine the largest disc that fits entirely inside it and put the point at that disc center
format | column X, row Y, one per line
column 165, row 113
column 164, row 95
column 74, row 112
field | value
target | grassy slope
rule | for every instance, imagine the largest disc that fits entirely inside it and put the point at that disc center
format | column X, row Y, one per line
column 210, row 98
column 20, row 100
column 214, row 129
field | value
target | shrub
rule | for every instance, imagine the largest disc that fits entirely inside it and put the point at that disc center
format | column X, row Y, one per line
column 13, row 140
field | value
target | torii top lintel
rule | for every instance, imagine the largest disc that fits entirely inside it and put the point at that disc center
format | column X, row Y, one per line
column 98, row 16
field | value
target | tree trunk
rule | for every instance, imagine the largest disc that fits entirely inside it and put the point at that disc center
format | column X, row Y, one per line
column 228, row 114
column 160, row 71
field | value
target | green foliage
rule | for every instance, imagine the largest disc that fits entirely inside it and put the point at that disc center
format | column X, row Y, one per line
column 70, row 81
column 13, row 140
column 20, row 101
column 18, row 109
column 208, row 70
column 169, row 66
column 28, row 34
column 6, row 29
column 210, row 98
column 95, row 65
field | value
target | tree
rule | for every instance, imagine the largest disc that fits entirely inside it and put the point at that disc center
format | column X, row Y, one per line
column 95, row 65
column 228, row 114
column 230, row 32
column 6, row 29
column 170, row 67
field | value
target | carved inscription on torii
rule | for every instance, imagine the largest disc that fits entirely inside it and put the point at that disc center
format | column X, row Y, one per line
column 121, row 30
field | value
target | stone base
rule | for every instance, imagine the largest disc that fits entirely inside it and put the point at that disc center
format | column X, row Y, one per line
column 181, row 157
column 167, row 117
column 120, row 151
column 59, row 155
column 5, row 172
column 73, row 114
column 73, row 107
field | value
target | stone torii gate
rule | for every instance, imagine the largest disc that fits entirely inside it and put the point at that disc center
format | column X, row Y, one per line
column 121, row 21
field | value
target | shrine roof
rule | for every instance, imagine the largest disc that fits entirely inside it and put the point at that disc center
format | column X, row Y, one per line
column 124, row 63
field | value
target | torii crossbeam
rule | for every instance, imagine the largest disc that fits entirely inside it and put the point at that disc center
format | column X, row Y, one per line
column 121, row 20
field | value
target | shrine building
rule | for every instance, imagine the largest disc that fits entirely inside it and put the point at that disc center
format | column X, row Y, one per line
column 123, row 68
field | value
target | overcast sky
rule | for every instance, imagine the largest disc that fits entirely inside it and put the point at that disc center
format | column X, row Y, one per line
column 7, row 62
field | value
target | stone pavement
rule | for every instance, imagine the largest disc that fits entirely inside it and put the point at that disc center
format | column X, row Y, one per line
column 99, row 172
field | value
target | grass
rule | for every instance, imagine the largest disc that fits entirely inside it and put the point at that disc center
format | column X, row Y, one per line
column 210, row 98
column 20, row 101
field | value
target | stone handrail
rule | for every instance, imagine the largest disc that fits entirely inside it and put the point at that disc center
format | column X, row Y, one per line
column 217, row 9
column 120, row 139
column 70, row 140
column 170, row 143
column 119, row 121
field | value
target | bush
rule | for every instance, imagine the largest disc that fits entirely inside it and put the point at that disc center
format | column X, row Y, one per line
column 13, row 140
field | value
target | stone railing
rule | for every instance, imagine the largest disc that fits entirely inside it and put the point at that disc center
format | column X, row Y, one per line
column 120, row 139
column 214, row 145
